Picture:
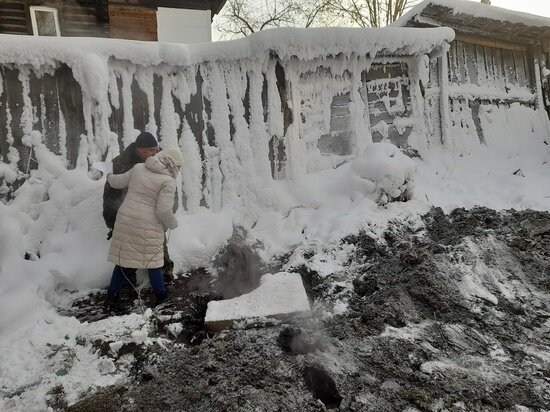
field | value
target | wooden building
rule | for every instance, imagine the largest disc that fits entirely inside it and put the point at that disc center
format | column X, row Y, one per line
column 499, row 57
column 122, row 19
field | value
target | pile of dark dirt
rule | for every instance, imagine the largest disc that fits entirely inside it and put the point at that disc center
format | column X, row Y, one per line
column 452, row 316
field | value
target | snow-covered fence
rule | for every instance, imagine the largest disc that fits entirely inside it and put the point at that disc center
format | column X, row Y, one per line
column 278, row 104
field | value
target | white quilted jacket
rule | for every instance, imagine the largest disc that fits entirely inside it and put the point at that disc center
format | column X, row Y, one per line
column 138, row 235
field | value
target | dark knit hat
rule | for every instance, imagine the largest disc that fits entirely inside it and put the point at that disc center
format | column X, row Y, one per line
column 146, row 139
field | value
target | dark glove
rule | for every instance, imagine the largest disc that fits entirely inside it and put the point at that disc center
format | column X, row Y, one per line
column 110, row 234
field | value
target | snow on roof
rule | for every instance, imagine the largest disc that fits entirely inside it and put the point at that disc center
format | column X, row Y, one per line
column 476, row 9
column 304, row 43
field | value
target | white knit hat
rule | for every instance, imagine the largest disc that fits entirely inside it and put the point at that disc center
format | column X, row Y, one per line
column 175, row 154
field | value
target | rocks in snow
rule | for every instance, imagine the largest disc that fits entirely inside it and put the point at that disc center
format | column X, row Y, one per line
column 106, row 366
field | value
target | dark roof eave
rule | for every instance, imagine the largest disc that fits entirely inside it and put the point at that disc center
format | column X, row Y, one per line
column 217, row 6
column 214, row 6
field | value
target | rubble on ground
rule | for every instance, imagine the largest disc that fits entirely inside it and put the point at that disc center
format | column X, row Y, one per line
column 450, row 316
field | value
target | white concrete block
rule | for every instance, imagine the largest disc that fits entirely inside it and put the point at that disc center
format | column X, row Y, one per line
column 278, row 295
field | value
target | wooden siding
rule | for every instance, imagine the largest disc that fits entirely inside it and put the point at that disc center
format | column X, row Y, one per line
column 389, row 101
column 57, row 99
column 87, row 18
column 133, row 23
column 132, row 19
column 339, row 139
column 58, row 112
column 386, row 92
column 57, row 109
column 76, row 17
column 482, row 76
column 482, row 65
column 14, row 17
column 176, row 4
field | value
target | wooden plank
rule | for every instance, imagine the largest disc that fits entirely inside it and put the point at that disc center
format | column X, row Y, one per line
column 43, row 94
column 461, row 68
column 4, row 146
column 482, row 76
column 193, row 113
column 116, row 120
column 498, row 71
column 521, row 69
column 153, row 4
column 14, row 94
column 157, row 99
column 12, row 27
column 78, row 9
column 16, row 32
column 510, row 74
column 489, row 42
column 434, row 73
column 70, row 101
column 455, row 66
column 397, row 90
column 13, row 18
column 134, row 23
column 13, row 22
column 12, row 8
column 140, row 106
column 470, row 58
column 13, row 14
column 488, row 53
column 79, row 18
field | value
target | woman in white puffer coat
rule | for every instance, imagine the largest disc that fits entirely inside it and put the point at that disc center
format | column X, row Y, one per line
column 145, row 214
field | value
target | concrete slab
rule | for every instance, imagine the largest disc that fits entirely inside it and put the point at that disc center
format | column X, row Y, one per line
column 279, row 295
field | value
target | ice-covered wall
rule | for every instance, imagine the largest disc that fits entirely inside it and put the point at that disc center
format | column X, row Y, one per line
column 484, row 82
column 275, row 105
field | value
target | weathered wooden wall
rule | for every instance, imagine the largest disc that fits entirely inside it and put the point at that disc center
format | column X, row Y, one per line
column 483, row 65
column 13, row 17
column 133, row 23
column 76, row 17
column 487, row 73
column 56, row 102
column 121, row 19
column 385, row 91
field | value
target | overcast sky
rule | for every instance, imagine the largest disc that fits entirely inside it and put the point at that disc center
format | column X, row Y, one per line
column 539, row 7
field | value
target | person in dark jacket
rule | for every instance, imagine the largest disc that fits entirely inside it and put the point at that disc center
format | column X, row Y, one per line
column 144, row 147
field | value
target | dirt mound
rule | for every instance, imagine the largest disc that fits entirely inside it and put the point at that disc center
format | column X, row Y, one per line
column 450, row 316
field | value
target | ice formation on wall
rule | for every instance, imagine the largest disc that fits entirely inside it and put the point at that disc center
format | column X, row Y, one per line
column 244, row 111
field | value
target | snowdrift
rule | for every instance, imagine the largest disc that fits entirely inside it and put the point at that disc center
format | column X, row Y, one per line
column 278, row 136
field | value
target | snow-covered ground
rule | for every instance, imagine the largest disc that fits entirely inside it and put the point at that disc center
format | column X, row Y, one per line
column 53, row 245
column 38, row 348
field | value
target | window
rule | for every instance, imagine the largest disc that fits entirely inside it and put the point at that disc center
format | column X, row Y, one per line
column 44, row 21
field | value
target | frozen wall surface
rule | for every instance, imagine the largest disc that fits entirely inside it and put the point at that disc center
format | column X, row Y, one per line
column 183, row 25
column 280, row 103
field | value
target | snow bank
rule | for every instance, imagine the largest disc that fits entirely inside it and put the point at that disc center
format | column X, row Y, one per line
column 278, row 294
column 384, row 173
column 55, row 351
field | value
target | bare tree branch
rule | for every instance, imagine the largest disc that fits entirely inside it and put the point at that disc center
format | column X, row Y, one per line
column 244, row 17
